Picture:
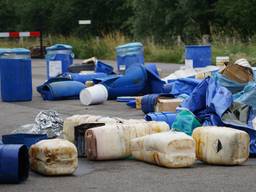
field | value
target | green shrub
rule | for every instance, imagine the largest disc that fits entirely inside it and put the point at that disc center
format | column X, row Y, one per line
column 104, row 47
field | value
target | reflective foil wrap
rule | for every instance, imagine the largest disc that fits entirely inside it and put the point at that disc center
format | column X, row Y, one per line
column 49, row 122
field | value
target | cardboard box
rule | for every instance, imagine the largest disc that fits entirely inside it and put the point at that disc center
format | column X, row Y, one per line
column 138, row 102
column 167, row 105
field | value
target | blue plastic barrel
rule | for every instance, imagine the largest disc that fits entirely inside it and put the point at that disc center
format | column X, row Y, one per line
column 128, row 55
column 14, row 163
column 148, row 102
column 167, row 117
column 26, row 139
column 198, row 55
column 15, row 75
column 58, row 58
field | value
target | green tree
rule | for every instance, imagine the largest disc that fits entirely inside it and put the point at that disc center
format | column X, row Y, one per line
column 62, row 19
column 237, row 16
column 106, row 15
column 160, row 19
column 34, row 14
column 7, row 16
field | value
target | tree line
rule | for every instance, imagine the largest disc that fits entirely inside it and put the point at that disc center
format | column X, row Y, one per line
column 161, row 20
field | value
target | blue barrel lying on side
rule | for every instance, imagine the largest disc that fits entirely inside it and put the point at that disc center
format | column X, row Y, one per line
column 167, row 117
column 15, row 75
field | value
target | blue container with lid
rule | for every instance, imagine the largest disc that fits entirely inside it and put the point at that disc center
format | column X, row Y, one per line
column 58, row 58
column 15, row 75
column 129, row 54
column 198, row 55
column 15, row 53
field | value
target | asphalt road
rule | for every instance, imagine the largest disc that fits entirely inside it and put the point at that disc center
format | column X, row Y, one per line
column 123, row 175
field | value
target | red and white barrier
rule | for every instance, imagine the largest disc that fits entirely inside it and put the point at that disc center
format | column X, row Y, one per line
column 20, row 34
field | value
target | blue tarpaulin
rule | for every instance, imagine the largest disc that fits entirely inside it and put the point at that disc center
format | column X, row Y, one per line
column 247, row 95
column 211, row 103
column 184, row 86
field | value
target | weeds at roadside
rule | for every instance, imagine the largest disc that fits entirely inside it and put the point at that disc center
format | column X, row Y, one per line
column 104, row 48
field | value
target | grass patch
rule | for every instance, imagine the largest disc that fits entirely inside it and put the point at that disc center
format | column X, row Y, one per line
column 104, row 48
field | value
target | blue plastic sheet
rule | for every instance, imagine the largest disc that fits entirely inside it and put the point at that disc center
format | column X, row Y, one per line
column 231, row 85
column 208, row 97
column 184, row 86
column 167, row 88
column 210, row 102
column 197, row 99
column 154, row 82
column 247, row 95
column 167, row 117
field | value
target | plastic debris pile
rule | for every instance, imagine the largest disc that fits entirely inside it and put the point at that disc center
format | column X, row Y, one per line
column 199, row 112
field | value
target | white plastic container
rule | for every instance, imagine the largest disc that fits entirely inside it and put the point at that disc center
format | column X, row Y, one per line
column 71, row 122
column 220, row 60
column 94, row 95
column 53, row 157
column 167, row 149
column 221, row 145
column 114, row 141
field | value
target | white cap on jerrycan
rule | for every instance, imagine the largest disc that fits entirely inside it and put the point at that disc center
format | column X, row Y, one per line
column 94, row 95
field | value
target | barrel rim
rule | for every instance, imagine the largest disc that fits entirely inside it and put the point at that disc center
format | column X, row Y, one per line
column 197, row 46
column 59, row 47
column 17, row 51
column 130, row 45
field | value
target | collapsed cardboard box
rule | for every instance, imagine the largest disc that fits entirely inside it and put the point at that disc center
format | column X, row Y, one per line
column 138, row 102
column 167, row 104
